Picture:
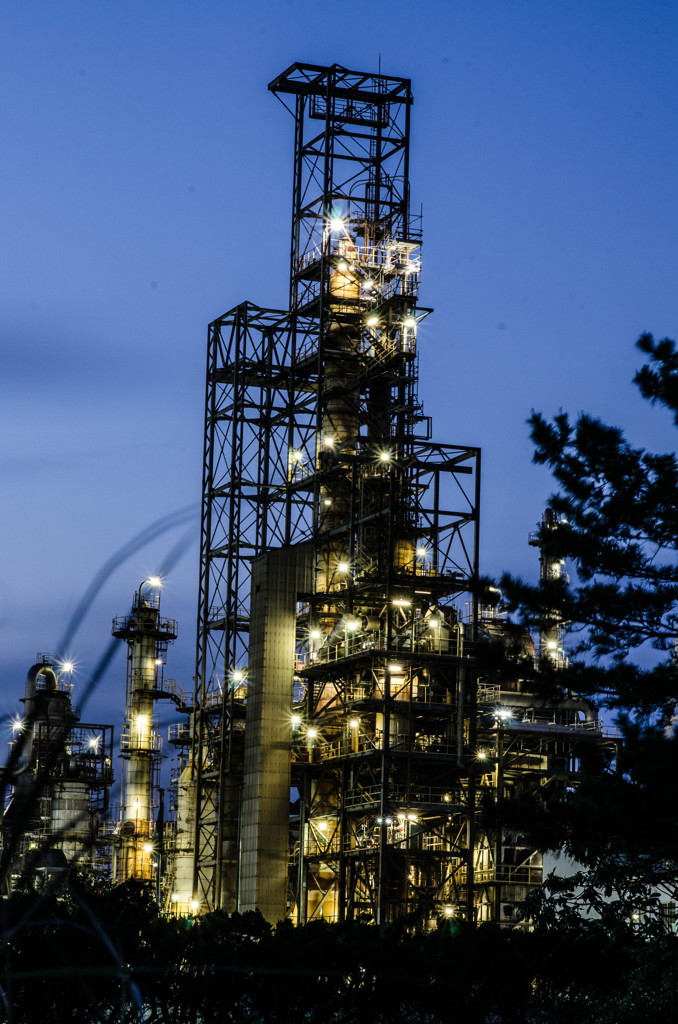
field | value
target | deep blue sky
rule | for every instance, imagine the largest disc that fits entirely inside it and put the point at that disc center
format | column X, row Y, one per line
column 146, row 189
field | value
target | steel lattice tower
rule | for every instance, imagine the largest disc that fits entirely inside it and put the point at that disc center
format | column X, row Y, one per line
column 314, row 433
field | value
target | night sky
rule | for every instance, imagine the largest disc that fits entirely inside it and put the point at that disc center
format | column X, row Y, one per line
column 146, row 189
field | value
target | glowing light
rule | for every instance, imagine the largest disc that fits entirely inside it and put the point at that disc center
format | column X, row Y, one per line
column 321, row 826
column 158, row 661
column 368, row 285
column 422, row 552
column 552, row 645
column 354, row 723
column 94, row 743
column 372, row 321
column 297, row 455
column 327, row 501
column 342, row 566
column 296, row 721
column 352, row 625
column 312, row 733
column 385, row 456
column 148, row 847
column 503, row 714
column 67, row 666
column 395, row 668
column 337, row 225
column 329, row 442
column 449, row 912
column 194, row 905
column 447, row 798
column 343, row 265
column 315, row 634
column 482, row 755
column 17, row 725
column 410, row 322
column 238, row 675
column 175, row 898
column 411, row 817
column 154, row 581
column 401, row 602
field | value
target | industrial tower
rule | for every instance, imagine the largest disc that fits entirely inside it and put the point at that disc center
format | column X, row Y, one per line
column 339, row 549
column 138, row 851
column 59, row 773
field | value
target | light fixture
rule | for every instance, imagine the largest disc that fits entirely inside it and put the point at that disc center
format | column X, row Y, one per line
column 327, row 502
column 354, row 723
column 311, row 733
column 342, row 566
column 410, row 322
column 422, row 552
column 395, row 668
column 238, row 675
column 372, row 321
column 67, row 666
column 315, row 634
column 385, row 456
column 296, row 721
column 343, row 265
column 194, row 905
column 337, row 225
column 154, row 581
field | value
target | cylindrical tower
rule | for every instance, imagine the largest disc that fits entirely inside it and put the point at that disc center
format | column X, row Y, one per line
column 147, row 636
column 551, row 650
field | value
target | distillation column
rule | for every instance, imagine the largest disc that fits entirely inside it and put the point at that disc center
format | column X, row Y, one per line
column 147, row 636
column 551, row 650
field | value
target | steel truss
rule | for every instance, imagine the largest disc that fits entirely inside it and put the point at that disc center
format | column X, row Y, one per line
column 314, row 430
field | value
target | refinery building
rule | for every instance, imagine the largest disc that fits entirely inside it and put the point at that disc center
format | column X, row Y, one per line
column 341, row 745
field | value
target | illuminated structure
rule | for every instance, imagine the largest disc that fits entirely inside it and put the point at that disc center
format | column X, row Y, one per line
column 551, row 633
column 147, row 636
column 337, row 620
column 59, row 773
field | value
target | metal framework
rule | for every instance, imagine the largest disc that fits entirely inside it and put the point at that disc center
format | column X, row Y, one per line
column 314, row 431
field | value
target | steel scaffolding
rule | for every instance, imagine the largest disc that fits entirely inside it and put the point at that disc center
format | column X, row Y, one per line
column 314, row 434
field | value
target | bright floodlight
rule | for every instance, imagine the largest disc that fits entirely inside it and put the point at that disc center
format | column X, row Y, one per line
column 67, row 666
column 17, row 724
column 372, row 321
column 552, row 645
column 315, row 634
column 354, row 723
column 154, row 581
column 311, row 733
column 296, row 721
column 337, row 225
column 194, row 905
column 385, row 456
column 342, row 566
column 148, row 847
column 422, row 552
column 238, row 675
column 410, row 322
column 93, row 743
